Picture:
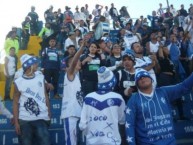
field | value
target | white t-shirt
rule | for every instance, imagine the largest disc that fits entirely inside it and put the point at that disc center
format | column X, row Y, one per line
column 68, row 42
column 100, row 116
column 154, row 47
column 19, row 73
column 129, row 39
column 72, row 98
column 32, row 101
column 106, row 14
column 186, row 25
column 11, row 66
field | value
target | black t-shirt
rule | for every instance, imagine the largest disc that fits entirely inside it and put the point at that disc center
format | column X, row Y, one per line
column 125, row 80
column 166, row 65
column 89, row 70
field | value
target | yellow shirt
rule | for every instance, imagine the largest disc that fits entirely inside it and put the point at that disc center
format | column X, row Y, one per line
column 9, row 42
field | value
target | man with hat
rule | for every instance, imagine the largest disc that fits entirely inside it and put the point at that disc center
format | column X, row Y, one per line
column 102, row 111
column 31, row 104
column 148, row 113
column 126, row 83
column 126, row 77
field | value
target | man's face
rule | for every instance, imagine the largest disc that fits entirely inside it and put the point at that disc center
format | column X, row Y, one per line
column 144, row 83
column 82, row 9
column 33, row 9
column 73, row 37
column 47, row 25
column 173, row 38
column 71, row 51
column 35, row 67
column 81, row 23
column 154, row 13
column 138, row 49
column 13, row 35
column 52, row 43
column 116, row 49
column 128, row 63
column 153, row 36
column 102, row 45
column 12, row 52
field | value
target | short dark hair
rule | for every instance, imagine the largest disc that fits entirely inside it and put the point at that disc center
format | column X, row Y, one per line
column 132, row 45
column 100, row 41
column 12, row 48
column 70, row 46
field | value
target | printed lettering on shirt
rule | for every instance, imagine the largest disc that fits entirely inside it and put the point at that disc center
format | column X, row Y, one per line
column 159, row 125
column 35, row 95
column 53, row 56
column 188, row 129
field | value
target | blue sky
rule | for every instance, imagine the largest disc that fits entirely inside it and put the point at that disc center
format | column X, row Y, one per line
column 13, row 12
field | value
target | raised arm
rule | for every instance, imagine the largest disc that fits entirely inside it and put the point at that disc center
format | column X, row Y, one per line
column 176, row 91
column 72, row 67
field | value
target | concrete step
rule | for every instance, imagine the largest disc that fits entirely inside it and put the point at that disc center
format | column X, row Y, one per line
column 34, row 43
column 2, row 88
column 2, row 76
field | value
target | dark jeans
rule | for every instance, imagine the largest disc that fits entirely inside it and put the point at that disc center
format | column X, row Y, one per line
column 25, row 40
column 34, row 28
column 52, row 76
column 123, row 134
column 115, row 19
column 34, row 132
column 8, row 83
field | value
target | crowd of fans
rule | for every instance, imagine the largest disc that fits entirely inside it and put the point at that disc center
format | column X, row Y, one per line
column 168, row 38
column 161, row 43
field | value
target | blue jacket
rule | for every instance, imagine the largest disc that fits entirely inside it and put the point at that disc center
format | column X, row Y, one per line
column 50, row 59
column 149, row 119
